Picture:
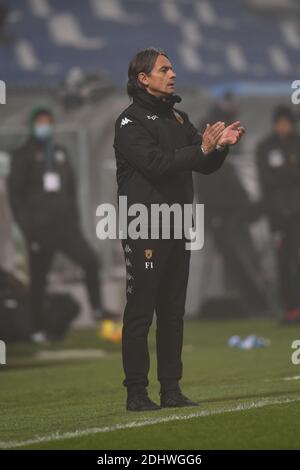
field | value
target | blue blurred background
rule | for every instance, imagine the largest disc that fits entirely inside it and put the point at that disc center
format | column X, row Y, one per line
column 238, row 57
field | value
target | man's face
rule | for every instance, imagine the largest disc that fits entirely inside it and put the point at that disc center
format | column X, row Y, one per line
column 43, row 119
column 161, row 80
column 43, row 127
column 284, row 127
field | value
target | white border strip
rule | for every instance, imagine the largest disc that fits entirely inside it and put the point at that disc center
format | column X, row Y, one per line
column 147, row 422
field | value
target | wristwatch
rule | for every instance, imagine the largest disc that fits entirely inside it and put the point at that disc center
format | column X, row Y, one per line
column 202, row 148
column 220, row 147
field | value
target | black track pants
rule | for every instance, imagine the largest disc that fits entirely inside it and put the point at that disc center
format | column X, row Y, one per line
column 71, row 242
column 157, row 276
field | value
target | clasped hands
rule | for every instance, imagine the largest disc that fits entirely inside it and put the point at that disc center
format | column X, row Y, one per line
column 219, row 135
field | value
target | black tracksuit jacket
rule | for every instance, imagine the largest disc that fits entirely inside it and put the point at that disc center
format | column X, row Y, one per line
column 278, row 162
column 35, row 209
column 156, row 149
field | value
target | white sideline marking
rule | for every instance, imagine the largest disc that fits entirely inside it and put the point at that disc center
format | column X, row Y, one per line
column 294, row 377
column 147, row 422
column 61, row 355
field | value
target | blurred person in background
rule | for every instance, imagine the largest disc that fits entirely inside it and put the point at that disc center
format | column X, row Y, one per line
column 224, row 109
column 228, row 215
column 278, row 161
column 43, row 199
column 6, row 245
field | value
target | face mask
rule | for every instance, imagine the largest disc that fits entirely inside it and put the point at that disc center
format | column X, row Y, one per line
column 42, row 131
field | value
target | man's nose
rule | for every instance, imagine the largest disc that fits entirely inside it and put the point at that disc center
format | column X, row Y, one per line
column 173, row 74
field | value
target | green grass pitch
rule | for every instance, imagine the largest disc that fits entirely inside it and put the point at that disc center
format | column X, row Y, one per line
column 247, row 399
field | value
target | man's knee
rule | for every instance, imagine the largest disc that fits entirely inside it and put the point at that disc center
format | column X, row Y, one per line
column 137, row 325
column 170, row 322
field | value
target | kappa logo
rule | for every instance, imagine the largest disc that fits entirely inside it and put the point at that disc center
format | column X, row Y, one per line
column 128, row 249
column 129, row 277
column 125, row 121
column 152, row 117
column 129, row 290
column 127, row 262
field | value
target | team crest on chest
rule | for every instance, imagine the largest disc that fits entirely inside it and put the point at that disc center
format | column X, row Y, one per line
column 178, row 117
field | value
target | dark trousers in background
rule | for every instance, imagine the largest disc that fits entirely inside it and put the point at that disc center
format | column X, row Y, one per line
column 289, row 262
column 233, row 240
column 157, row 276
column 70, row 241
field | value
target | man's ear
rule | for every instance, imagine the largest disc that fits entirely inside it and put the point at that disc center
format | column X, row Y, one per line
column 143, row 79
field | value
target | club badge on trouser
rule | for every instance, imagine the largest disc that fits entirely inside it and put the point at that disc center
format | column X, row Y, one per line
column 148, row 255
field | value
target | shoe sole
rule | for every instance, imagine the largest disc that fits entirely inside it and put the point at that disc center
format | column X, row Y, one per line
column 178, row 406
column 144, row 409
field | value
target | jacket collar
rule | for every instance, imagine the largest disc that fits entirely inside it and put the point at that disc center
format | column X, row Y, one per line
column 154, row 103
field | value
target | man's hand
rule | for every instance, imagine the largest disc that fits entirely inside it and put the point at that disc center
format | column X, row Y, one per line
column 232, row 134
column 211, row 136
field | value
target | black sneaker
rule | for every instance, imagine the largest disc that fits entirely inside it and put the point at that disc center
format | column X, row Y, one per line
column 175, row 399
column 141, row 402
